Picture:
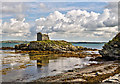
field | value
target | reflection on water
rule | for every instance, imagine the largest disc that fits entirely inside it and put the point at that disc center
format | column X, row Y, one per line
column 20, row 67
column 96, row 46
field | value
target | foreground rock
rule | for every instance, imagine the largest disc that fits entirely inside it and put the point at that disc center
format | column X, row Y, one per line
column 50, row 45
column 111, row 50
column 92, row 73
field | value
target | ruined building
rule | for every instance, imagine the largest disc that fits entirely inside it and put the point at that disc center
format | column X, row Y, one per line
column 41, row 37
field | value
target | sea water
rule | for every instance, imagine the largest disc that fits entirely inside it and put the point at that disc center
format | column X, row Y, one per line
column 31, row 71
column 97, row 46
column 8, row 44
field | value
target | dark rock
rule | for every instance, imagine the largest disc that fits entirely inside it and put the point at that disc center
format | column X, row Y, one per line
column 70, row 70
column 49, row 45
column 76, row 65
column 53, row 70
column 111, row 50
column 7, row 48
column 22, row 46
column 104, row 58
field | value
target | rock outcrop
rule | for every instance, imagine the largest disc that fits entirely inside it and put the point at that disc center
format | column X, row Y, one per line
column 50, row 45
column 111, row 50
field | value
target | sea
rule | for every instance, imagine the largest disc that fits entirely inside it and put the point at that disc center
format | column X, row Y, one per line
column 18, row 67
column 94, row 45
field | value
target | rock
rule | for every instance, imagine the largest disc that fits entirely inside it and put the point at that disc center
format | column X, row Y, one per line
column 49, row 45
column 7, row 48
column 22, row 46
column 70, row 70
column 72, row 48
column 78, row 80
column 111, row 50
column 53, row 70
column 90, row 75
column 76, row 65
column 79, row 47
column 17, row 46
column 113, row 79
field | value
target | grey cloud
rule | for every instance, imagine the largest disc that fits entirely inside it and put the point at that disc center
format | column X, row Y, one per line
column 15, row 28
column 14, row 9
column 79, row 22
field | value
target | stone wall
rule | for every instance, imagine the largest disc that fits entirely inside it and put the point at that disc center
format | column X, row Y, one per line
column 45, row 37
column 41, row 37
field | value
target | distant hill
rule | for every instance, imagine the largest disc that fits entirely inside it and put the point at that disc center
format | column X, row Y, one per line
column 88, row 42
column 14, row 41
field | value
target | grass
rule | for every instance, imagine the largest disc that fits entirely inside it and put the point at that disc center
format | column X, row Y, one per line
column 53, row 42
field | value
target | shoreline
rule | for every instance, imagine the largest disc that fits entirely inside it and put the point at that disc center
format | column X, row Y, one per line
column 79, row 75
column 67, row 74
column 107, row 71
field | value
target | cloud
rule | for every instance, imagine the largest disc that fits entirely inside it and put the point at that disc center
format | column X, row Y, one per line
column 17, row 0
column 13, row 9
column 59, row 1
column 0, row 27
column 16, row 29
column 106, row 31
column 42, row 5
column 72, row 25
column 79, row 23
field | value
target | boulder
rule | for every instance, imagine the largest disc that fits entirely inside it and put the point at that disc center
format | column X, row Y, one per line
column 22, row 46
column 112, row 48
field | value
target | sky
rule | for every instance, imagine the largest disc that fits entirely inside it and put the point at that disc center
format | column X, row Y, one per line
column 70, row 21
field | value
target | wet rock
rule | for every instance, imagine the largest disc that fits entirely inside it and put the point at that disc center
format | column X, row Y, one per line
column 76, row 65
column 22, row 46
column 70, row 70
column 78, row 80
column 7, row 48
column 53, row 70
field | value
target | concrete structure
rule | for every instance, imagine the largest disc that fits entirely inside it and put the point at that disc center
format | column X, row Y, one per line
column 41, row 37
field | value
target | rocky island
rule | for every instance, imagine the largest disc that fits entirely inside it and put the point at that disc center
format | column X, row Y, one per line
column 43, row 44
column 104, row 70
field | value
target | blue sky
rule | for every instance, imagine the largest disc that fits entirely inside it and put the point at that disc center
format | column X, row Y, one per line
column 85, row 21
column 34, row 10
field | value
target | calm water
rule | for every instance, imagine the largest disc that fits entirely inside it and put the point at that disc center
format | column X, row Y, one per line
column 23, row 67
column 8, row 44
column 97, row 46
